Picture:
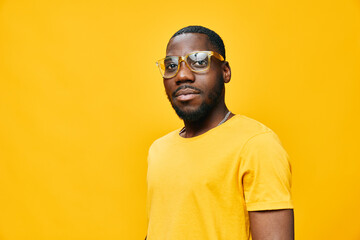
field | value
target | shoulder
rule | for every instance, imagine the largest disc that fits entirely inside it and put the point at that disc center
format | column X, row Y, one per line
column 249, row 128
column 252, row 124
column 254, row 137
column 164, row 141
column 258, row 133
column 264, row 147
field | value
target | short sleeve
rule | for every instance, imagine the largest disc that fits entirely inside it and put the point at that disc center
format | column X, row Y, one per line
column 265, row 173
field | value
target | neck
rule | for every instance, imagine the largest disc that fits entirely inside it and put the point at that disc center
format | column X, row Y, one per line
column 196, row 128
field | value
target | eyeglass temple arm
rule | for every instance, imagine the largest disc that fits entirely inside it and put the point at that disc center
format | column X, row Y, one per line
column 218, row 56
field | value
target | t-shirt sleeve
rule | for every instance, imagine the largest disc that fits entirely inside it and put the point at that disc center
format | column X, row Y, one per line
column 265, row 173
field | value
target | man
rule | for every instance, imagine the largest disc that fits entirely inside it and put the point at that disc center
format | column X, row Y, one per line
column 222, row 176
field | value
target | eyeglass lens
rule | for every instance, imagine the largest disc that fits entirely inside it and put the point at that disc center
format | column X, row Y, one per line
column 198, row 61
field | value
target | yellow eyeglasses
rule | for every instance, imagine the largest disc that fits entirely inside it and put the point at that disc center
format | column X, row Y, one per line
column 196, row 61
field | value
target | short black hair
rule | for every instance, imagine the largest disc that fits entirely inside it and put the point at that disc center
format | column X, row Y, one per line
column 214, row 38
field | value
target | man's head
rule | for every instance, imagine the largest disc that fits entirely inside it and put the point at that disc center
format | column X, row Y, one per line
column 194, row 94
column 213, row 37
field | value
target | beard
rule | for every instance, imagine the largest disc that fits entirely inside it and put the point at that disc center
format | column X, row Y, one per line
column 205, row 108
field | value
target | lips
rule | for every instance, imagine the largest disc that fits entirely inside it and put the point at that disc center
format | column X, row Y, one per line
column 186, row 93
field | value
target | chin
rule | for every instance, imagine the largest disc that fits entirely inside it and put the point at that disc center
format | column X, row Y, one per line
column 193, row 115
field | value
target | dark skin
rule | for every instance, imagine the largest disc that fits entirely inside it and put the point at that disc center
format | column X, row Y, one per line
column 264, row 225
column 272, row 225
column 180, row 46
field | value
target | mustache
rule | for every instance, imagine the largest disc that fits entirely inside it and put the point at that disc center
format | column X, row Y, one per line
column 184, row 87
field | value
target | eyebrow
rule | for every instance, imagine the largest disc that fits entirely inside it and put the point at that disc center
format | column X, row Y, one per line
column 167, row 57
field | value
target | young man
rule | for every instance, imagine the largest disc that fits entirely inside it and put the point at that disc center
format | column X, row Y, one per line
column 222, row 176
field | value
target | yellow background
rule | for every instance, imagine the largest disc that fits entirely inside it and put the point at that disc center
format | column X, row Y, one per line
column 81, row 100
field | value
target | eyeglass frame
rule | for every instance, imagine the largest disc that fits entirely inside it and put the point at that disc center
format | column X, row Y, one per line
column 184, row 58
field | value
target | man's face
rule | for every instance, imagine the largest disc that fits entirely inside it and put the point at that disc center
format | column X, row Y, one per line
column 194, row 95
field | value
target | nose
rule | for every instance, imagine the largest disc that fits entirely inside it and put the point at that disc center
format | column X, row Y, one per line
column 184, row 74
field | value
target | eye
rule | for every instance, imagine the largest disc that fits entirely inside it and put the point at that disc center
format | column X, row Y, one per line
column 170, row 66
column 198, row 60
column 200, row 63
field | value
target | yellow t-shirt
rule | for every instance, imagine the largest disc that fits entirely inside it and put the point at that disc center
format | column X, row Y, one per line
column 203, row 187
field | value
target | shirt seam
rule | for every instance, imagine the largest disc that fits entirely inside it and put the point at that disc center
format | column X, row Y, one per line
column 259, row 206
column 247, row 141
column 288, row 201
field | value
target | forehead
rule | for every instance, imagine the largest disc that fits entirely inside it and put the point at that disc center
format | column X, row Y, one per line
column 188, row 42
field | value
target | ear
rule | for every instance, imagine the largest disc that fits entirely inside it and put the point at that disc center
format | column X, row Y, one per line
column 226, row 70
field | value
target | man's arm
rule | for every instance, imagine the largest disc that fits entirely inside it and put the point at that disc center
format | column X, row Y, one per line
column 272, row 224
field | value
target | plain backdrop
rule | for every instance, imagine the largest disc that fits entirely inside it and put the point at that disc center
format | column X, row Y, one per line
column 81, row 100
